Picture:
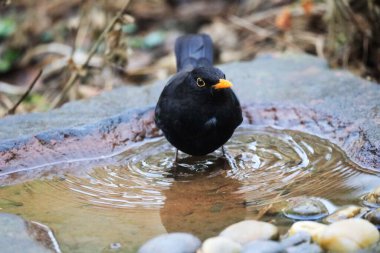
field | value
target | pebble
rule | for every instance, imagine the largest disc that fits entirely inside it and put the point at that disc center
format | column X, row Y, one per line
column 296, row 239
column 305, row 208
column 372, row 199
column 347, row 212
column 220, row 245
column 349, row 235
column 171, row 243
column 264, row 246
column 374, row 217
column 19, row 235
column 250, row 230
column 313, row 228
column 305, row 248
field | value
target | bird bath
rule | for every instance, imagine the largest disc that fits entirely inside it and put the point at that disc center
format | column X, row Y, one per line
column 102, row 177
column 130, row 197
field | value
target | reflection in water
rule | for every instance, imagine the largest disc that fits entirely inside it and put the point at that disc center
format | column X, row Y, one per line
column 140, row 193
column 202, row 202
column 262, row 166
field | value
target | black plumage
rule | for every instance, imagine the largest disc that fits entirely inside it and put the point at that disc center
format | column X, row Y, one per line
column 197, row 110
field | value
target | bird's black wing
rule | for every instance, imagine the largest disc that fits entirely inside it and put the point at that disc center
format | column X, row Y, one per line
column 167, row 108
column 194, row 51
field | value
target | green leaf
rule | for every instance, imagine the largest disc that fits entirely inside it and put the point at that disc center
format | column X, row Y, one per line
column 46, row 37
column 4, row 66
column 129, row 28
column 37, row 100
column 8, row 58
column 7, row 27
column 154, row 39
column 136, row 42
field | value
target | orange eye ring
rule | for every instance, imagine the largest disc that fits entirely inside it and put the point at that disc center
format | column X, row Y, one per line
column 200, row 82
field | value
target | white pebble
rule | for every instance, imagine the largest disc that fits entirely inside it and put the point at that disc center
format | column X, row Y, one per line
column 250, row 230
column 349, row 235
column 346, row 212
column 313, row 228
column 220, row 245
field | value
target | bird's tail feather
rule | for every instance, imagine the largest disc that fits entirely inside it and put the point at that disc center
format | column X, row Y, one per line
column 194, row 51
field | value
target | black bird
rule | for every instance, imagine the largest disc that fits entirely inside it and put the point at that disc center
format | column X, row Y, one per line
column 197, row 110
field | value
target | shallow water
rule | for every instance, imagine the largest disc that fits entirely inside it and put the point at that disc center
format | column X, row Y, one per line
column 140, row 193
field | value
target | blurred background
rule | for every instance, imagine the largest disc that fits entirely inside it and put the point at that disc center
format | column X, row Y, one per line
column 86, row 47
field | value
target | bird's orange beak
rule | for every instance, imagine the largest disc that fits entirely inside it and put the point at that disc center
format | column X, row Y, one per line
column 223, row 84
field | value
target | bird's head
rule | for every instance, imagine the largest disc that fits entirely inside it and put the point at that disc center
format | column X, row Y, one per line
column 209, row 78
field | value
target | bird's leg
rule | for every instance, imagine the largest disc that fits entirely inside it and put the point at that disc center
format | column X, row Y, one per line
column 176, row 155
column 223, row 151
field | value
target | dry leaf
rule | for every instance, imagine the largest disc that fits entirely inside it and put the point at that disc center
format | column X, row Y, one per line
column 284, row 20
column 127, row 19
column 113, row 40
column 307, row 6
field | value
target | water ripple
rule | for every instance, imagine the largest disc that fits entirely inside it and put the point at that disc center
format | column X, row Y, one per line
column 267, row 164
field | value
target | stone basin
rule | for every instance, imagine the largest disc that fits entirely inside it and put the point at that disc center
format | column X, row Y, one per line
column 287, row 91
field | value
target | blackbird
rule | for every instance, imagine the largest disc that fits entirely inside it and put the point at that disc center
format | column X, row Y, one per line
column 197, row 110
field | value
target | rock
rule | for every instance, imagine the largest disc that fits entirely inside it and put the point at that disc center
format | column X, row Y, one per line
column 300, row 242
column 372, row 199
column 18, row 235
column 346, row 213
column 250, row 230
column 315, row 229
column 171, row 243
column 305, row 208
column 305, row 247
column 220, row 245
column 349, row 235
column 296, row 239
column 374, row 217
column 260, row 246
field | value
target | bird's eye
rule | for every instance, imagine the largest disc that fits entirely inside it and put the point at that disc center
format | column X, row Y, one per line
column 200, row 82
